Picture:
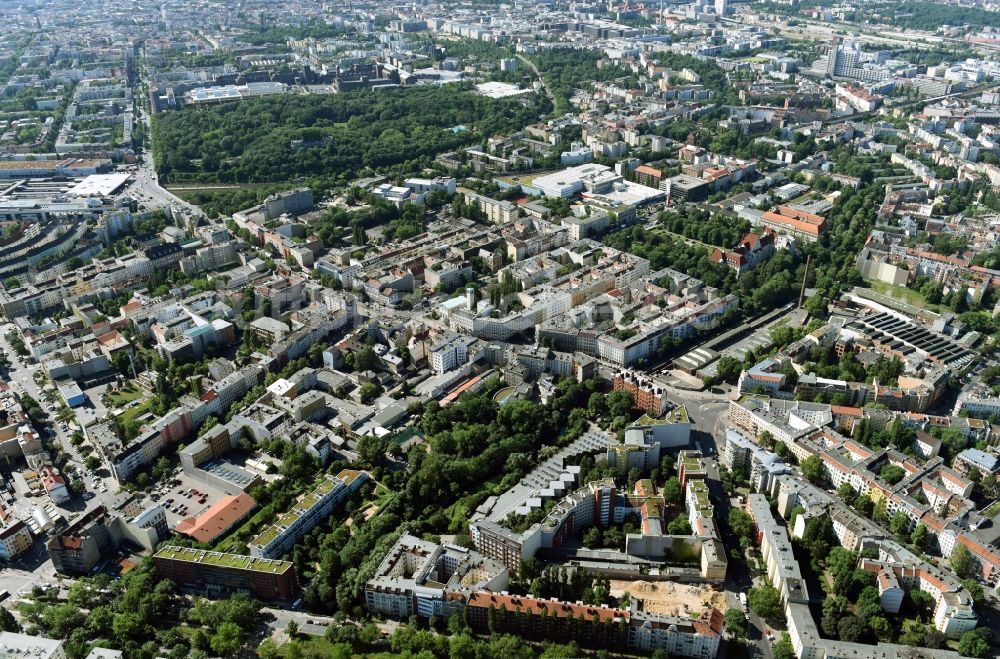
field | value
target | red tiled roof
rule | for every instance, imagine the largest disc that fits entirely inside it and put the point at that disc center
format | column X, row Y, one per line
column 976, row 548
column 932, row 522
column 110, row 337
column 932, row 256
column 797, row 220
column 845, row 410
column 854, row 447
column 217, row 519
column 835, row 464
column 530, row 605
column 649, row 171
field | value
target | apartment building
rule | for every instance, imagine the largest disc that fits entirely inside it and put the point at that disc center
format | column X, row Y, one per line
column 978, row 407
column 534, row 361
column 762, row 378
column 15, row 539
column 697, row 312
column 83, row 544
column 679, row 636
column 164, row 256
column 34, row 300
column 536, row 619
column 124, row 460
column 536, row 238
column 698, row 504
column 785, row 421
column 220, row 396
column 423, row 578
column 210, row 258
column 600, row 504
column 691, row 465
column 309, row 328
column 503, row 545
column 744, row 455
column 497, row 211
column 986, row 557
column 953, row 611
column 650, row 177
column 268, row 329
column 219, row 574
column 54, row 484
column 595, row 626
column 14, row 644
column 279, row 538
column 776, row 547
column 649, row 395
column 591, row 225
column 453, row 353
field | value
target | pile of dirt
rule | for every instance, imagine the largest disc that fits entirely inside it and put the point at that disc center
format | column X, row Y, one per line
column 669, row 598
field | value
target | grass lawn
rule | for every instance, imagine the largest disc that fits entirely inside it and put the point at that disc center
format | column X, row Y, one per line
column 801, row 198
column 408, row 434
column 137, row 410
column 903, row 294
column 682, row 237
column 459, row 512
column 993, row 510
column 311, row 646
column 317, row 646
column 180, row 187
column 119, row 398
column 381, row 495
column 234, row 541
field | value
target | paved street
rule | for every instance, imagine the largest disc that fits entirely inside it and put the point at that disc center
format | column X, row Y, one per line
column 145, row 185
column 103, row 488
column 146, row 189
column 738, row 578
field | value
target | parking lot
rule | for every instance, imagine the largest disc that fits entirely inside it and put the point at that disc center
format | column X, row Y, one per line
column 184, row 496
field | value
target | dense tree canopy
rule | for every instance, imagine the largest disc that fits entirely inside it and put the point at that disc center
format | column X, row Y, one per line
column 565, row 69
column 475, row 448
column 251, row 141
column 139, row 614
column 765, row 601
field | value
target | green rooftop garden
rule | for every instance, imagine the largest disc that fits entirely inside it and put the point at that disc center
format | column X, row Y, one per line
column 678, row 415
column 691, row 462
column 236, row 561
column 700, row 492
column 323, row 488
